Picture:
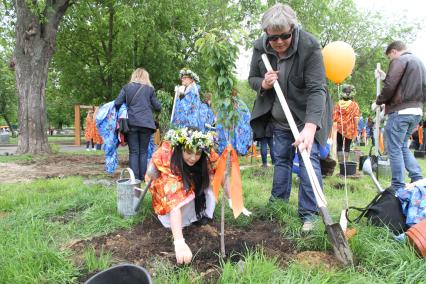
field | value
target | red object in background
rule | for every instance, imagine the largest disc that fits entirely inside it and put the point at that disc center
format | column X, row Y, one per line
column 417, row 237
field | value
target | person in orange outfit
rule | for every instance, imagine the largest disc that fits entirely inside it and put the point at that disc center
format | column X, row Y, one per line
column 346, row 115
column 181, row 171
column 97, row 139
column 90, row 130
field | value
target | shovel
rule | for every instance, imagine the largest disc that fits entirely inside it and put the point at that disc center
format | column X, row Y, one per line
column 368, row 169
column 334, row 230
column 142, row 195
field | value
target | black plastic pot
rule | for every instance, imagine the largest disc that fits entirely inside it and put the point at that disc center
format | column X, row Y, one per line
column 419, row 154
column 350, row 168
column 121, row 274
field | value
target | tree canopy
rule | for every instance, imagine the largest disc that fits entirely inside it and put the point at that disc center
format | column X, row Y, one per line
column 99, row 44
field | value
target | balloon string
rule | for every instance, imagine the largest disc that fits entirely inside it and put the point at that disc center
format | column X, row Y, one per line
column 343, row 148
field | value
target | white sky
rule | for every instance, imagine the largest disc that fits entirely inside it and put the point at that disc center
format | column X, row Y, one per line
column 413, row 9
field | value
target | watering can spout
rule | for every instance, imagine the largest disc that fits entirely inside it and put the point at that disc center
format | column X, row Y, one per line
column 367, row 169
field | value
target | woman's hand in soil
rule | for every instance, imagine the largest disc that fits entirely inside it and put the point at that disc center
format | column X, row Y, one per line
column 182, row 251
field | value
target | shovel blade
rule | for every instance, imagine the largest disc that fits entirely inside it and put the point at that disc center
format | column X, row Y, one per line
column 339, row 243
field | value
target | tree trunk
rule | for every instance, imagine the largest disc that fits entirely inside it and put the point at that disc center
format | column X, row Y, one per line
column 35, row 44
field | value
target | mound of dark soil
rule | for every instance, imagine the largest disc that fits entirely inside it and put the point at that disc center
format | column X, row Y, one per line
column 151, row 240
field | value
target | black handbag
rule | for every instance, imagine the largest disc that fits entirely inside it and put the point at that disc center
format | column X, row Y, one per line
column 123, row 123
column 384, row 210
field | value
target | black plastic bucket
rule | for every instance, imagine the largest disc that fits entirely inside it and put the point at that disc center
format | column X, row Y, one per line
column 419, row 154
column 121, row 274
column 350, row 168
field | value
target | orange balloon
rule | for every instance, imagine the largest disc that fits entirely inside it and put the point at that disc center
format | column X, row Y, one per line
column 339, row 61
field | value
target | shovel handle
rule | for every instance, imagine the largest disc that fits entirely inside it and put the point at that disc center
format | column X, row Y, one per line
column 138, row 203
column 319, row 196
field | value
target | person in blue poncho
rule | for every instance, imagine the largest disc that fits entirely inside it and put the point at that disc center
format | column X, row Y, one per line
column 243, row 134
column 361, row 129
column 187, row 105
column 207, row 118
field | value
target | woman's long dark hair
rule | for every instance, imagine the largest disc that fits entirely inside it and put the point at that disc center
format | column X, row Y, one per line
column 197, row 175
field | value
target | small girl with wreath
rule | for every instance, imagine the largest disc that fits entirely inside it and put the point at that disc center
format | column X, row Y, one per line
column 181, row 171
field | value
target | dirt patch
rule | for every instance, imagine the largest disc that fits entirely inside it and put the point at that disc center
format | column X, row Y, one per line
column 151, row 241
column 55, row 166
column 317, row 259
column 4, row 214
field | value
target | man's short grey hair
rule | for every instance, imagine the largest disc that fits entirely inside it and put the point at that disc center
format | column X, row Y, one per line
column 279, row 17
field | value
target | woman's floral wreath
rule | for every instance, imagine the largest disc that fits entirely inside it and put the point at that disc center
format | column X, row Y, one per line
column 190, row 73
column 191, row 139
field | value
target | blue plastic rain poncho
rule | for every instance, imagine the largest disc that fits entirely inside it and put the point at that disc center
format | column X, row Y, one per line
column 206, row 117
column 187, row 109
column 243, row 135
column 106, row 122
column 413, row 202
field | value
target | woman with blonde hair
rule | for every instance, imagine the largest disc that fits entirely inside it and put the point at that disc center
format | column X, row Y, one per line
column 140, row 75
column 139, row 96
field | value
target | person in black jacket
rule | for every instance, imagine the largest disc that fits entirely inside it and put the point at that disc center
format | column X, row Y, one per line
column 403, row 93
column 140, row 99
column 296, row 57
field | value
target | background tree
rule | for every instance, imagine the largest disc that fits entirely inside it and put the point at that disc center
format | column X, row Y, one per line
column 8, row 98
column 36, row 27
column 367, row 32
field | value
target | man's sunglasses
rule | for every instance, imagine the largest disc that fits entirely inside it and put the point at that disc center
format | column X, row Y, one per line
column 283, row 36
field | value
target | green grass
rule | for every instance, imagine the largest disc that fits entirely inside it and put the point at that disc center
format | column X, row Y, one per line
column 57, row 139
column 37, row 219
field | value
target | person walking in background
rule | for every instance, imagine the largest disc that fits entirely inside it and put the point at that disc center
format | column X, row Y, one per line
column 139, row 96
column 403, row 93
column 370, row 130
column 97, row 139
column 296, row 57
column 89, row 132
column 361, row 130
column 346, row 115
column 265, row 141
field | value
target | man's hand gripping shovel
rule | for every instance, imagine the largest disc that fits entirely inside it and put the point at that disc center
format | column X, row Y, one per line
column 334, row 230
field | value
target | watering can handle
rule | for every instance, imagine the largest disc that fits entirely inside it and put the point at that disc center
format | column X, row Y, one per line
column 131, row 174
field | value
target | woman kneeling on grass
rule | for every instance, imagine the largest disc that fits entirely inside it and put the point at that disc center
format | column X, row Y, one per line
column 182, row 169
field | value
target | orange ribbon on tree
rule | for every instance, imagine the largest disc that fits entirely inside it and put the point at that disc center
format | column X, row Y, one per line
column 236, row 190
column 421, row 135
column 381, row 142
column 254, row 151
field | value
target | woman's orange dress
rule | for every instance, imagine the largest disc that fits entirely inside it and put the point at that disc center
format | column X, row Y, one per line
column 167, row 190
column 90, row 128
column 344, row 113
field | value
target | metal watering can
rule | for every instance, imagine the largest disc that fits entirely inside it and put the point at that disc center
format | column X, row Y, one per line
column 129, row 194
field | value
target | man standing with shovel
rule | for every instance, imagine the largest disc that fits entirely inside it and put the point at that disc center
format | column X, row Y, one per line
column 296, row 55
column 403, row 94
column 292, row 94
